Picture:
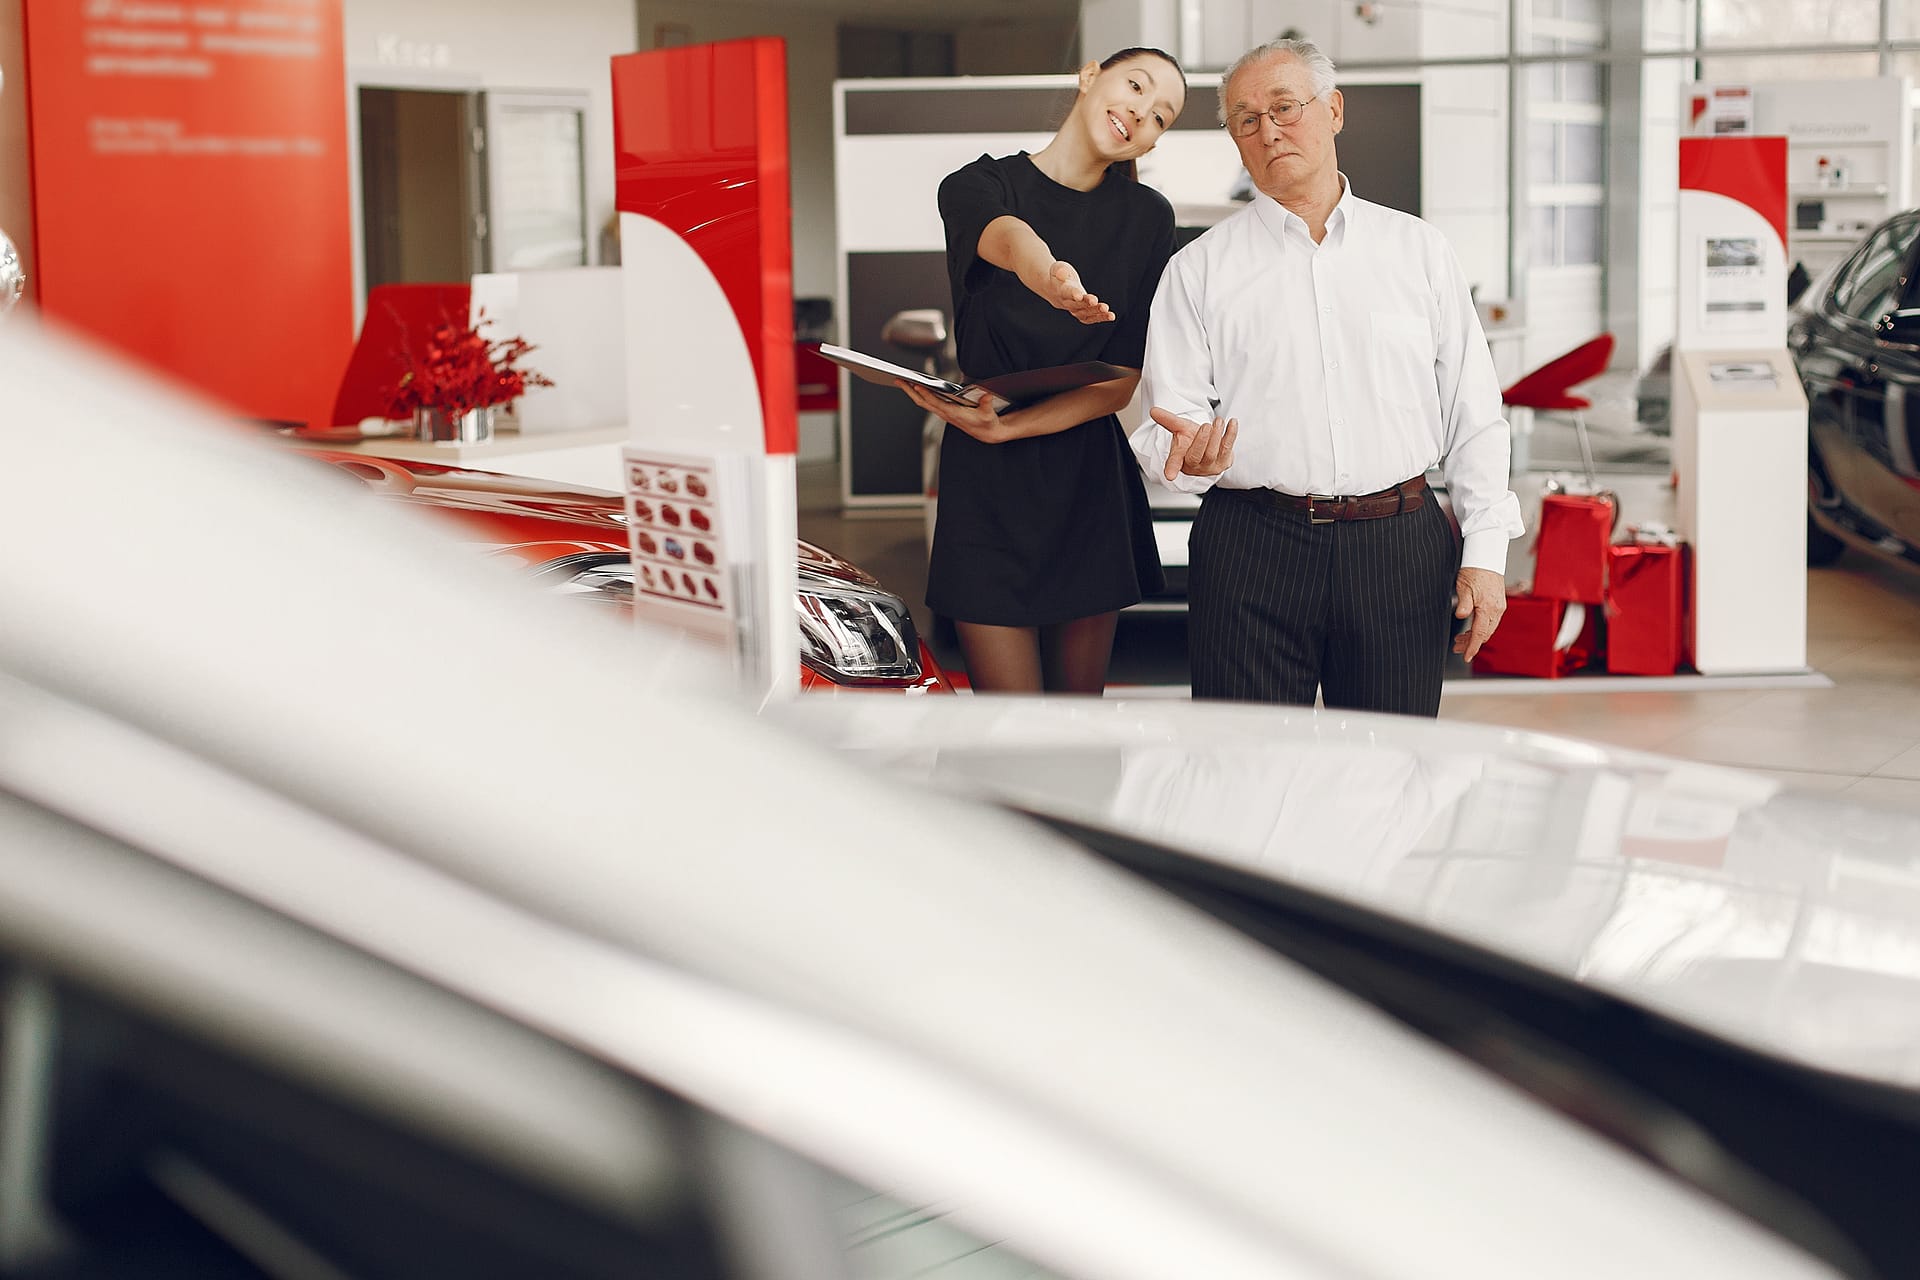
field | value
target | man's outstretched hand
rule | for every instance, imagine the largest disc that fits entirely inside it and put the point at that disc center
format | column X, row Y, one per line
column 1064, row 290
column 1198, row 449
column 1481, row 595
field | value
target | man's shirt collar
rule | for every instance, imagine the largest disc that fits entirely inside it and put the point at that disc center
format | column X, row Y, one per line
column 1284, row 221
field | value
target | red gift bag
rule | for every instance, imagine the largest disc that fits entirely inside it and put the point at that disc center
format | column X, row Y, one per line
column 1524, row 644
column 1570, row 551
column 1646, row 608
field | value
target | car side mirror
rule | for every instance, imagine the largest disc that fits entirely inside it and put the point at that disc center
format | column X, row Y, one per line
column 1899, row 329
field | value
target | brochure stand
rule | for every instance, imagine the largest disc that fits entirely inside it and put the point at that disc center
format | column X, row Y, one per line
column 1743, row 490
column 1739, row 416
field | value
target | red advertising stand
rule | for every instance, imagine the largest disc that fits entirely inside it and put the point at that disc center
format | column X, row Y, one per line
column 190, row 191
column 700, row 155
column 1739, row 410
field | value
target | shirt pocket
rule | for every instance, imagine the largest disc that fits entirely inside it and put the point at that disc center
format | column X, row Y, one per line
column 1402, row 359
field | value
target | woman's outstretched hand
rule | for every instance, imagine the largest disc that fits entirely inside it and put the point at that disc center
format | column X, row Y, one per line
column 1063, row 289
column 980, row 422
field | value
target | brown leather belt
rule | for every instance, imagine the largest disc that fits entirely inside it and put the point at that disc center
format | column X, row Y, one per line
column 1318, row 509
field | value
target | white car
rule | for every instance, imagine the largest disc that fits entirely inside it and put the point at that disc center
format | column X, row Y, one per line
column 357, row 918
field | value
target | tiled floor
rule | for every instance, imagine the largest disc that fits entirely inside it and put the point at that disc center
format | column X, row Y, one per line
column 1862, row 736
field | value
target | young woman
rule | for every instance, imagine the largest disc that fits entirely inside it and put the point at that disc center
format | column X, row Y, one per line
column 1043, row 533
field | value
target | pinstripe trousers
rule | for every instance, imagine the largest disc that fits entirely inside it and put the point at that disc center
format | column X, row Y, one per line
column 1279, row 608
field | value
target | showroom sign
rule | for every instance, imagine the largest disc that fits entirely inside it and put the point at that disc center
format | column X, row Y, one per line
column 190, row 189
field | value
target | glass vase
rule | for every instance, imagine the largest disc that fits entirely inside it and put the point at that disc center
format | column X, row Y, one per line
column 437, row 426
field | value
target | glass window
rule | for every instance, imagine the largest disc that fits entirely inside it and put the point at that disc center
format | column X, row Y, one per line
column 1543, row 151
column 1467, row 31
column 1580, row 82
column 1768, row 22
column 1580, row 233
column 1544, row 228
column 1903, row 19
column 1867, row 290
column 534, row 157
column 1565, row 82
column 1583, row 153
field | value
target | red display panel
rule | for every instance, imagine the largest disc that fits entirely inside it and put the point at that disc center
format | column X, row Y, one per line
column 190, row 189
column 1752, row 171
column 700, row 146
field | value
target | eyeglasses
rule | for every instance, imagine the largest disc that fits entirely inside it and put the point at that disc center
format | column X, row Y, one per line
column 1243, row 124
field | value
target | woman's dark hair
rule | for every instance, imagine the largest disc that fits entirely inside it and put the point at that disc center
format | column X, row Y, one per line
column 1140, row 51
column 1128, row 168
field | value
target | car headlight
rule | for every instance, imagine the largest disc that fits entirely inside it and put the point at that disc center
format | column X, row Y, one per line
column 850, row 632
column 855, row 634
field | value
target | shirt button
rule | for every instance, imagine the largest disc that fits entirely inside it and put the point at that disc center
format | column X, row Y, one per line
column 1339, row 422
column 1326, row 311
column 1333, row 364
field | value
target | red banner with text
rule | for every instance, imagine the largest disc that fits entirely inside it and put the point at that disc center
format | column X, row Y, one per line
column 190, row 189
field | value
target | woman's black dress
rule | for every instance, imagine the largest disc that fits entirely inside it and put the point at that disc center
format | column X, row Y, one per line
column 1053, row 527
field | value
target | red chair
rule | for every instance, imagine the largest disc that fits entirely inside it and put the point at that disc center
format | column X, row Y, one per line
column 1549, row 387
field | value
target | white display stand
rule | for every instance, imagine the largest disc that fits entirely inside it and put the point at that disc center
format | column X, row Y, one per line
column 1740, row 445
column 1739, row 416
column 693, row 402
column 707, row 298
column 576, row 320
column 1862, row 128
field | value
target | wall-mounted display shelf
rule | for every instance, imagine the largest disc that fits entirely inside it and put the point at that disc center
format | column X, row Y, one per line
column 1860, row 128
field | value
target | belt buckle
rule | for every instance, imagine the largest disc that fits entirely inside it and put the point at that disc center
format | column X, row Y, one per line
column 1313, row 514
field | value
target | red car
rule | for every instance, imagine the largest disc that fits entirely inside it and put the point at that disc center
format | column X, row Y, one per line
column 854, row 634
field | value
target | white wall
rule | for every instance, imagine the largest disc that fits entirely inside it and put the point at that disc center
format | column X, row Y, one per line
column 458, row 44
column 812, row 62
column 1463, row 169
column 1107, row 25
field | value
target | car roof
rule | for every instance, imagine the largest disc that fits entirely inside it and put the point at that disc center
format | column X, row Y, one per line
column 325, row 706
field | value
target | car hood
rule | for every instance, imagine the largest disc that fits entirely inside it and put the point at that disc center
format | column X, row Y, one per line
column 1786, row 923
column 515, row 509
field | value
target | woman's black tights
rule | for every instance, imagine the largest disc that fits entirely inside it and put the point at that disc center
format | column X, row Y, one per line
column 1063, row 657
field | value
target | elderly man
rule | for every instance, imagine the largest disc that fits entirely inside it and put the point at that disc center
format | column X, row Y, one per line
column 1308, row 359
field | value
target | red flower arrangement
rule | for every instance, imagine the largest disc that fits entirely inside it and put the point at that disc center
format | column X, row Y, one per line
column 459, row 371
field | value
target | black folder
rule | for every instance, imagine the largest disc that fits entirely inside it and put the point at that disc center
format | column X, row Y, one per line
column 1009, row 389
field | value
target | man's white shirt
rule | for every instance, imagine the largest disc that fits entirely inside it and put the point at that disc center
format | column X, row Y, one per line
column 1353, row 364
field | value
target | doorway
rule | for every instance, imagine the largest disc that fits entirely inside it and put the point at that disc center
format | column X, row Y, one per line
column 421, row 185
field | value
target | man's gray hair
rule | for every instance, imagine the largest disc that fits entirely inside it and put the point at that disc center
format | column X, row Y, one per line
column 1318, row 65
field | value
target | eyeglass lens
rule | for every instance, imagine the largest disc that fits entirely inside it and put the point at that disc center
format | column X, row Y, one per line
column 1285, row 113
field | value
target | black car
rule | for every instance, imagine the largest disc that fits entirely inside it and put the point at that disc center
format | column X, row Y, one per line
column 1855, row 336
